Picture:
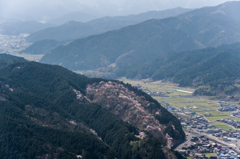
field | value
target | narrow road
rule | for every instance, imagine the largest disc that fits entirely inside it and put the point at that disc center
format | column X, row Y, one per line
column 188, row 141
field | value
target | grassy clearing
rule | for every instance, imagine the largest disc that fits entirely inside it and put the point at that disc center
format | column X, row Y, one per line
column 213, row 113
column 210, row 154
column 222, row 125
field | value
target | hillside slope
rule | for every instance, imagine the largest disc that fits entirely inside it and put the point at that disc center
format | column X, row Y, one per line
column 217, row 67
column 51, row 110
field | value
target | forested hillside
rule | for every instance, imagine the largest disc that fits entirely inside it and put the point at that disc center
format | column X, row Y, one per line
column 216, row 68
column 45, row 112
column 133, row 43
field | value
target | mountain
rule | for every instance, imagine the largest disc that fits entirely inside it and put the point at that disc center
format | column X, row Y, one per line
column 50, row 112
column 42, row 47
column 75, row 30
column 114, row 23
column 73, row 16
column 132, row 45
column 17, row 27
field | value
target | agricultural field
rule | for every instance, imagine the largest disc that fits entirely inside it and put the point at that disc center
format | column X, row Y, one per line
column 235, row 119
column 222, row 126
column 210, row 154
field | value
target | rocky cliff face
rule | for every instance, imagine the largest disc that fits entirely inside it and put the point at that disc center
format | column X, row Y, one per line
column 129, row 107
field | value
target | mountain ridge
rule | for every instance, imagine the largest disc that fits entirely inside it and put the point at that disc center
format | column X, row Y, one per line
column 98, row 26
column 18, row 27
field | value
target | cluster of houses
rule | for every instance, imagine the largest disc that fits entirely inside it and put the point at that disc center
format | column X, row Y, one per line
column 201, row 145
column 227, row 136
column 197, row 121
column 236, row 114
column 235, row 124
column 225, row 106
column 13, row 42
column 187, row 111
column 225, row 152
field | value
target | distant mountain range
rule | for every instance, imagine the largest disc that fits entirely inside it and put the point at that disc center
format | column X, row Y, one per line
column 50, row 112
column 161, row 49
column 17, row 27
column 211, row 26
column 73, row 16
column 75, row 30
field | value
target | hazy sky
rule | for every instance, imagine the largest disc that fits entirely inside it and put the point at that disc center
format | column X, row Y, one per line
column 53, row 8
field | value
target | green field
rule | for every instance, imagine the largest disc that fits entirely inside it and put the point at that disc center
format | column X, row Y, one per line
column 222, row 126
column 159, row 86
column 210, row 154
column 235, row 119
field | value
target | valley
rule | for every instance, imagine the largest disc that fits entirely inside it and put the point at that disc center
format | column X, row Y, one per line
column 198, row 104
column 160, row 84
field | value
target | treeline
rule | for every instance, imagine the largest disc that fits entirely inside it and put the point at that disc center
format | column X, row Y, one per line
column 9, row 59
